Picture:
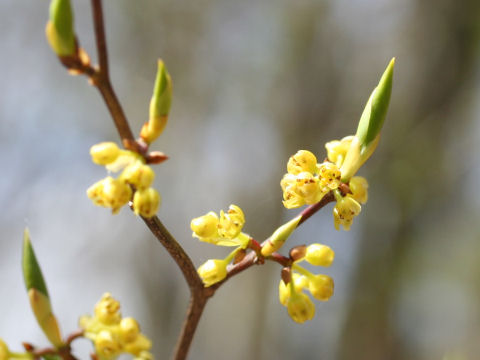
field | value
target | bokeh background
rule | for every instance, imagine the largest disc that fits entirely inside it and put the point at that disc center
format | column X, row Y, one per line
column 254, row 81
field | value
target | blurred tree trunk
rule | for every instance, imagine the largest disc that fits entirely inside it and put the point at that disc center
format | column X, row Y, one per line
column 443, row 45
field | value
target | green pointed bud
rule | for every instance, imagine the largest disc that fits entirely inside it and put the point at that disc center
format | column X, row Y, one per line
column 38, row 293
column 279, row 237
column 368, row 132
column 159, row 105
column 59, row 31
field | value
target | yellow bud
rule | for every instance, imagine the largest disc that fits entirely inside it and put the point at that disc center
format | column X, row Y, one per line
column 106, row 345
column 116, row 193
column 321, row 287
column 146, row 202
column 129, row 329
column 95, row 193
column 319, row 255
column 231, row 223
column 359, row 187
column 4, row 352
column 303, row 160
column 300, row 307
column 337, row 150
column 299, row 282
column 279, row 237
column 141, row 344
column 205, row 227
column 330, row 175
column 213, row 271
column 107, row 310
column 344, row 212
column 139, row 175
column 104, row 153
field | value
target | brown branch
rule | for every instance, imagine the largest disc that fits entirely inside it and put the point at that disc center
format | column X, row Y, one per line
column 177, row 253
column 102, row 79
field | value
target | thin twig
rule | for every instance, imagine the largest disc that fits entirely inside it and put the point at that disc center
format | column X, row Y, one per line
column 177, row 253
column 102, row 78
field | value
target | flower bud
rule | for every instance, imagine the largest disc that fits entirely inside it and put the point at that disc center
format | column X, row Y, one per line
column 213, row 271
column 321, row 287
column 116, row 193
column 300, row 307
column 284, row 291
column 359, row 188
column 146, row 202
column 139, row 345
column 106, row 345
column 319, row 255
column 129, row 329
column 59, row 29
column 107, row 310
column 139, row 175
column 302, row 161
column 205, row 227
column 104, row 153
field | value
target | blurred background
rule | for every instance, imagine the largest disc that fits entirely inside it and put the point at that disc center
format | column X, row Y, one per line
column 254, row 81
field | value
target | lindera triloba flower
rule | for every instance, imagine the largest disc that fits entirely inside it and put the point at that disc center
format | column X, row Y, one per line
column 307, row 182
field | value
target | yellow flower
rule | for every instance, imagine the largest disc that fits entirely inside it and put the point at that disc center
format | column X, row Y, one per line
column 300, row 307
column 107, row 310
column 146, row 202
column 292, row 198
column 359, row 187
column 319, row 255
column 337, row 150
column 129, row 329
column 106, row 345
column 321, row 287
column 139, row 175
column 344, row 212
column 205, row 227
column 231, row 223
column 307, row 185
column 104, row 153
column 329, row 175
column 213, row 271
column 302, row 161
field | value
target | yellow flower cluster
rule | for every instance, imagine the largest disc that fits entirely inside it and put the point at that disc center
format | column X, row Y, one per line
column 112, row 335
column 135, row 180
column 223, row 230
column 299, row 305
column 307, row 182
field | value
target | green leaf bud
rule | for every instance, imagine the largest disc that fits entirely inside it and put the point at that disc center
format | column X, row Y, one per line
column 368, row 132
column 59, row 29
